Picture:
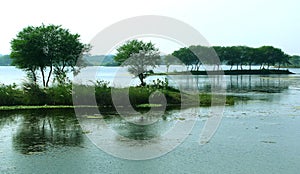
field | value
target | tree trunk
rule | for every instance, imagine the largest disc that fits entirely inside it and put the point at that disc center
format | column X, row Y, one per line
column 49, row 75
column 43, row 76
column 33, row 76
column 141, row 77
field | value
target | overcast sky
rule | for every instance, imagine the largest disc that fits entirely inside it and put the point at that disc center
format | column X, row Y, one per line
column 222, row 22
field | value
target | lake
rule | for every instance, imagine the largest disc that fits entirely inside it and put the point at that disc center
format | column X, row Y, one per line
column 261, row 135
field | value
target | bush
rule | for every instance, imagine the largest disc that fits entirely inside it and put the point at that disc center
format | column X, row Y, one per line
column 34, row 95
column 10, row 95
column 60, row 95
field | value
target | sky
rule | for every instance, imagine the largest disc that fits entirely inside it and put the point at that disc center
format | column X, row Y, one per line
column 222, row 22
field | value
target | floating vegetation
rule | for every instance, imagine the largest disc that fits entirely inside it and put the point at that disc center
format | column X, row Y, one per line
column 268, row 142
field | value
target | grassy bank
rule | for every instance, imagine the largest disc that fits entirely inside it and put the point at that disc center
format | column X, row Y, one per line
column 31, row 96
column 21, row 107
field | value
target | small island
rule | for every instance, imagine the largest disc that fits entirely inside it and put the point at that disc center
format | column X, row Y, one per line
column 229, row 72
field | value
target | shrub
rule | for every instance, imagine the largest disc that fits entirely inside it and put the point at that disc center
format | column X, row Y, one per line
column 60, row 95
column 10, row 95
column 33, row 94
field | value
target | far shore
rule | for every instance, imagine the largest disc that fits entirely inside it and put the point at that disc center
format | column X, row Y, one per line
column 229, row 72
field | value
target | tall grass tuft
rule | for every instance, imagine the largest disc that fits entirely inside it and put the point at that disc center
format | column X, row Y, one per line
column 10, row 95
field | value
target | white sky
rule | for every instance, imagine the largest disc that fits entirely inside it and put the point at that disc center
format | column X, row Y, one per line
column 221, row 22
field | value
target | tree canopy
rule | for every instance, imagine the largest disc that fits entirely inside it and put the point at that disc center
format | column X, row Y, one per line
column 234, row 56
column 138, row 56
column 169, row 60
column 47, row 49
column 186, row 56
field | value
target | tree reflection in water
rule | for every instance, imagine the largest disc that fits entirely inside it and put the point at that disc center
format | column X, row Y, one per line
column 38, row 130
column 236, row 83
column 136, row 127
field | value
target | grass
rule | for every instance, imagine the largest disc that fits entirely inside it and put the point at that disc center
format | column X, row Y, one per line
column 31, row 96
column 22, row 107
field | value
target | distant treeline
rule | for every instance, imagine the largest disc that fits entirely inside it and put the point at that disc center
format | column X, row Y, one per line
column 238, row 56
column 100, row 60
column 97, row 60
column 234, row 56
column 5, row 60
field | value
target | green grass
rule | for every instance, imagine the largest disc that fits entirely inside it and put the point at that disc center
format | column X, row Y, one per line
column 31, row 96
column 22, row 107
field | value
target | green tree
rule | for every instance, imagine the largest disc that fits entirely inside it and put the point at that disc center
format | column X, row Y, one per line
column 47, row 49
column 295, row 61
column 186, row 56
column 231, row 55
column 284, row 60
column 206, row 55
column 138, row 56
column 171, row 60
column 251, row 56
column 273, row 56
column 219, row 51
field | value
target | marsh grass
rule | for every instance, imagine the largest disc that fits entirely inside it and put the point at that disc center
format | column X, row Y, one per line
column 31, row 96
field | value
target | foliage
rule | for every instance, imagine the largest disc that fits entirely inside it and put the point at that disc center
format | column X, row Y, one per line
column 47, row 49
column 138, row 57
column 171, row 60
column 103, row 93
column 31, row 96
column 60, row 95
column 273, row 56
column 295, row 61
column 205, row 55
column 10, row 95
column 195, row 56
column 34, row 95
column 186, row 56
column 234, row 56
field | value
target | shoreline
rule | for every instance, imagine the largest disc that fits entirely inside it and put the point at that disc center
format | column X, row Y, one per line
column 230, row 72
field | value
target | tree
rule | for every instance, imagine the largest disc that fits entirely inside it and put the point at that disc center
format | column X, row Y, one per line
column 205, row 55
column 138, row 56
column 219, row 51
column 231, row 56
column 251, row 56
column 295, row 61
column 47, row 49
column 186, row 56
column 273, row 56
column 171, row 60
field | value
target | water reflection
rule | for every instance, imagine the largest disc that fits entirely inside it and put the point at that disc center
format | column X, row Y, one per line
column 6, row 119
column 38, row 130
column 136, row 131
column 236, row 83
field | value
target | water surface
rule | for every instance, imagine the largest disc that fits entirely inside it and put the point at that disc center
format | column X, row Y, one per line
column 261, row 135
